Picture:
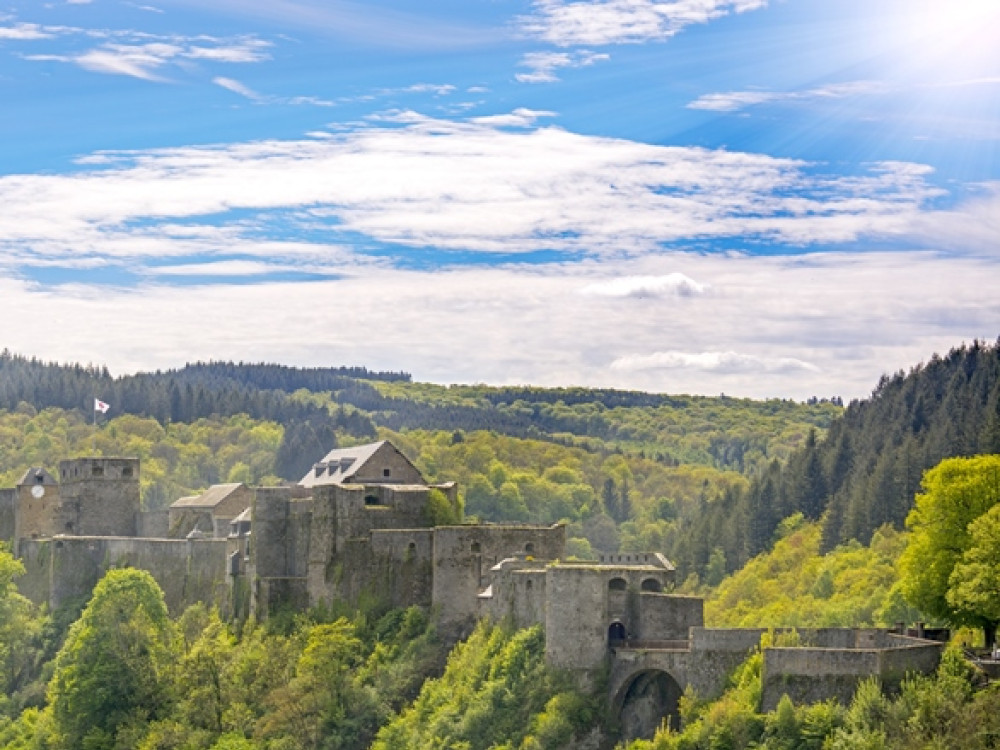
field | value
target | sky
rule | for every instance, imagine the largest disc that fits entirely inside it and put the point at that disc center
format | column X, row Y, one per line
column 762, row 198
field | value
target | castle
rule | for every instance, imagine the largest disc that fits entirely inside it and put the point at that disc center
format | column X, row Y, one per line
column 361, row 526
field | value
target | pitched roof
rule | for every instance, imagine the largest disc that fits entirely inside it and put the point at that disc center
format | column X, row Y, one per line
column 209, row 498
column 32, row 475
column 340, row 464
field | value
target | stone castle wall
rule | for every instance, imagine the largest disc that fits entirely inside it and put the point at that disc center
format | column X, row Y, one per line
column 65, row 570
column 7, row 500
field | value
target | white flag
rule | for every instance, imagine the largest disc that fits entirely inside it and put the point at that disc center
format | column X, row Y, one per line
column 101, row 406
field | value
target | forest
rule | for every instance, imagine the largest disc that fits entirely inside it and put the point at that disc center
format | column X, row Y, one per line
column 778, row 513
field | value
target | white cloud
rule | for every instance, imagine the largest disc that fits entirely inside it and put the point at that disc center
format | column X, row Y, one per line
column 670, row 285
column 726, row 363
column 542, row 66
column 237, row 88
column 601, row 22
column 521, row 117
column 25, row 32
column 733, row 101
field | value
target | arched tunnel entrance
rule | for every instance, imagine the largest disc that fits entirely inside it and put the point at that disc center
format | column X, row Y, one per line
column 648, row 699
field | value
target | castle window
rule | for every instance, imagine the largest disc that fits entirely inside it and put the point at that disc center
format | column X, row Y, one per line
column 476, row 548
column 97, row 471
column 617, row 584
column 127, row 471
column 651, row 584
column 529, row 584
column 371, row 499
column 616, row 634
column 529, row 549
column 386, row 472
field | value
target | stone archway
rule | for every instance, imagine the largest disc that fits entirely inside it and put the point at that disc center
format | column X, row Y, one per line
column 650, row 697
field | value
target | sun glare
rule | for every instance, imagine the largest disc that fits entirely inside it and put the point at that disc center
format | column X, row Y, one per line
column 952, row 37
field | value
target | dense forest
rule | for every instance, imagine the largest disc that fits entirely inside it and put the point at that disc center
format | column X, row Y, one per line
column 779, row 513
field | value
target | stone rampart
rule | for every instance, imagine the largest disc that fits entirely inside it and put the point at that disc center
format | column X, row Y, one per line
column 7, row 500
column 65, row 570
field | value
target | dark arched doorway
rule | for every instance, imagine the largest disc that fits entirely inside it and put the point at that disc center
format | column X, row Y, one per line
column 617, row 634
column 650, row 698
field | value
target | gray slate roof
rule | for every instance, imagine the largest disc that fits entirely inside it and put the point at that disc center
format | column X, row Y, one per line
column 209, row 498
column 341, row 464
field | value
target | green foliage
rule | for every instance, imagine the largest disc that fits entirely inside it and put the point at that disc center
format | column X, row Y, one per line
column 796, row 585
column 956, row 493
column 496, row 691
column 439, row 511
column 115, row 668
column 20, row 631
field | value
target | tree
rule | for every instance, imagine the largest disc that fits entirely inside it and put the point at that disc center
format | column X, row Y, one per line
column 115, row 668
column 18, row 626
column 974, row 584
column 956, row 492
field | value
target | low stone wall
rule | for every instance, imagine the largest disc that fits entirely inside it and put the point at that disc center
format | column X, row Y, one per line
column 809, row 675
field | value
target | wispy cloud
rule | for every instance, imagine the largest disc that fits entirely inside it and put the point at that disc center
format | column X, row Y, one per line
column 542, row 66
column 477, row 185
column 733, row 101
column 602, row 22
column 145, row 57
column 26, row 32
column 236, row 87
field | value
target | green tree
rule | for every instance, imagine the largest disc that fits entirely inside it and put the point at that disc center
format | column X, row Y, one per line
column 956, row 492
column 974, row 584
column 19, row 626
column 114, row 671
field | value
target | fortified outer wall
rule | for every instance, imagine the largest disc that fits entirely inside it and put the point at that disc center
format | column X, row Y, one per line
column 464, row 556
column 7, row 500
column 66, row 569
column 808, row 675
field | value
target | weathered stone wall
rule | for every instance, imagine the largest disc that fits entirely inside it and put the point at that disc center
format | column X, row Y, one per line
column 665, row 617
column 576, row 630
column 99, row 496
column 809, row 675
column 463, row 556
column 517, row 593
column 153, row 524
column 37, row 517
column 896, row 663
column 66, row 569
column 7, row 500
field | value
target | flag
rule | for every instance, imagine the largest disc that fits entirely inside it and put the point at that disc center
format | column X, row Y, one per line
column 101, row 406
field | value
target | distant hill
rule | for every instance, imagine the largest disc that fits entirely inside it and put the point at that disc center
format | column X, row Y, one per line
column 866, row 470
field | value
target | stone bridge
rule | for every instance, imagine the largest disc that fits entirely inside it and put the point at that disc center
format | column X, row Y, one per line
column 647, row 678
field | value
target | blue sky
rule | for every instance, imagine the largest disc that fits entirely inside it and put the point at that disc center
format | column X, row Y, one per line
column 770, row 198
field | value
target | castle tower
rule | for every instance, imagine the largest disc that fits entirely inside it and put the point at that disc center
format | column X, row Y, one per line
column 99, row 496
column 36, row 505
